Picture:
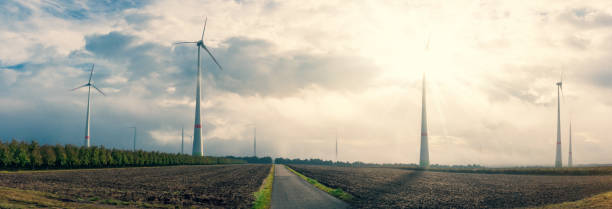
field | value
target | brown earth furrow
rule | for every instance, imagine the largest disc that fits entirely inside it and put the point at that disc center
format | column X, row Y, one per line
column 216, row 186
column 398, row 188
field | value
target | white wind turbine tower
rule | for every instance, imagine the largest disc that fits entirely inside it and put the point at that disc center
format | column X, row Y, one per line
column 183, row 140
column 424, row 154
column 198, row 149
column 424, row 158
column 254, row 141
column 89, row 84
column 134, row 143
column 558, row 160
column 569, row 160
column 336, row 145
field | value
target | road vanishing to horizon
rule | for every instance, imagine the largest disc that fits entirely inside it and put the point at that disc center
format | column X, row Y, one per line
column 290, row 191
column 294, row 104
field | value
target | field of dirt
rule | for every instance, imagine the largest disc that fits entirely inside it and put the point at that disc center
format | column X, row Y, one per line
column 208, row 186
column 400, row 188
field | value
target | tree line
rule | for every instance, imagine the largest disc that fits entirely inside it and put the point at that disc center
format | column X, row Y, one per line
column 315, row 161
column 257, row 160
column 15, row 155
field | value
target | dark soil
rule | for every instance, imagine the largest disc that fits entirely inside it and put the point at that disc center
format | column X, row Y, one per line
column 400, row 188
column 208, row 186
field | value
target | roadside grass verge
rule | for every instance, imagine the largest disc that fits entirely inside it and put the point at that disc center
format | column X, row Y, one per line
column 598, row 201
column 263, row 196
column 337, row 192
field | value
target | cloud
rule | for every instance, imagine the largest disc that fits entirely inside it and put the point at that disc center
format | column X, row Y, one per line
column 585, row 17
column 250, row 66
column 354, row 67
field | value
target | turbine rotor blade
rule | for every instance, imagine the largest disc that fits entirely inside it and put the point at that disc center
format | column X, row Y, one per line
column 211, row 56
column 91, row 73
column 185, row 42
column 205, row 20
column 98, row 90
column 79, row 87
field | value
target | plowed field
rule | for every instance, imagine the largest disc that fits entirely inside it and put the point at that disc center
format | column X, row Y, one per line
column 216, row 186
column 399, row 188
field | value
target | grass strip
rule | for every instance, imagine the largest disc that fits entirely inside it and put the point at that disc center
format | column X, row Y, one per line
column 337, row 192
column 263, row 196
column 598, row 201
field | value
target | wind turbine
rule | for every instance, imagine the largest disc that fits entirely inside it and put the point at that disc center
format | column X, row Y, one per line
column 336, row 145
column 424, row 154
column 569, row 160
column 183, row 140
column 198, row 149
column 424, row 158
column 558, row 160
column 89, row 84
column 254, row 141
column 134, row 143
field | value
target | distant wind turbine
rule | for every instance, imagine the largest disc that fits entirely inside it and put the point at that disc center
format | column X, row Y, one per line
column 134, row 143
column 424, row 158
column 558, row 160
column 89, row 84
column 183, row 140
column 254, row 141
column 569, row 160
column 198, row 148
column 424, row 154
column 336, row 145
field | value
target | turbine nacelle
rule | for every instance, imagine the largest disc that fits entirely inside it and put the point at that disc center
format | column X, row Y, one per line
column 559, row 83
column 90, row 83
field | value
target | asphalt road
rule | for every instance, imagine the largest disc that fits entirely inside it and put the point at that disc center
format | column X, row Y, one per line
column 290, row 191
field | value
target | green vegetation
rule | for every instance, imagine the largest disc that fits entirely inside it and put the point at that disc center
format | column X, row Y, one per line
column 598, row 201
column 255, row 160
column 263, row 197
column 19, row 155
column 338, row 193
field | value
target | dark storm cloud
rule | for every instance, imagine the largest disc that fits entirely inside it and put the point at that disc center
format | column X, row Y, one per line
column 249, row 67
column 113, row 45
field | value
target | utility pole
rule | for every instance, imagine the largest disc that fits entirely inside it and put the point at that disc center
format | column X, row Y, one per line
column 182, row 140
column 254, row 141
column 134, row 143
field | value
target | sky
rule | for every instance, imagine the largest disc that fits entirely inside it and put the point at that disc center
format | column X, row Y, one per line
column 302, row 71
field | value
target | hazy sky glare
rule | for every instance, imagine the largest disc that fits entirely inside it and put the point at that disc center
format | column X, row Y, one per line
column 300, row 70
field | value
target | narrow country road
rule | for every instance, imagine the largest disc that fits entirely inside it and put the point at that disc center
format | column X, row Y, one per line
column 290, row 191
